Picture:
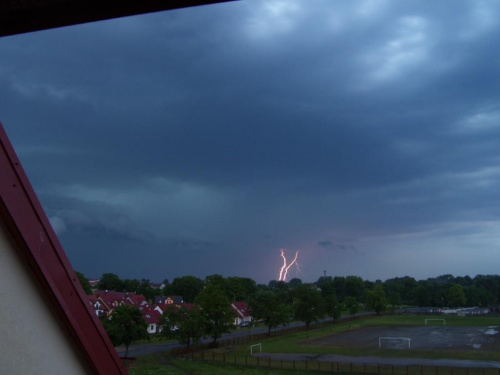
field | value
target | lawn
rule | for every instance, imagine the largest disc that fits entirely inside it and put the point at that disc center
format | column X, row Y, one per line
column 155, row 365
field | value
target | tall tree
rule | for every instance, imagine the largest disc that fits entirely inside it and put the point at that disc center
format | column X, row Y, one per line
column 376, row 299
column 352, row 305
column 240, row 288
column 126, row 325
column 281, row 289
column 131, row 285
column 332, row 306
column 324, row 280
column 295, row 282
column 216, row 310
column 110, row 281
column 307, row 304
column 340, row 287
column 266, row 306
column 186, row 325
column 422, row 295
column 394, row 300
column 217, row 280
column 355, row 287
column 478, row 297
column 146, row 289
column 456, row 295
column 186, row 286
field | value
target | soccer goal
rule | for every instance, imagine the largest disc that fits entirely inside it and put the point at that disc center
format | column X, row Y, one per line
column 431, row 320
column 394, row 339
column 256, row 346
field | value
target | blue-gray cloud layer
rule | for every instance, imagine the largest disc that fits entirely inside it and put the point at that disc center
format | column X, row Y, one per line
column 365, row 134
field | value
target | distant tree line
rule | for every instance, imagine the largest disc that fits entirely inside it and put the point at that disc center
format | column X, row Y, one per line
column 441, row 291
column 278, row 302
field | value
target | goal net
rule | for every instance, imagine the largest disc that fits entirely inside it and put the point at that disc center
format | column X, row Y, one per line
column 255, row 347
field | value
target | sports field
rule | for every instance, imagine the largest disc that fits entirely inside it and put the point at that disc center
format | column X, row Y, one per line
column 456, row 338
column 459, row 346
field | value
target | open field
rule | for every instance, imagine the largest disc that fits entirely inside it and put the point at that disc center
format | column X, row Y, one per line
column 467, row 338
column 345, row 347
column 442, row 338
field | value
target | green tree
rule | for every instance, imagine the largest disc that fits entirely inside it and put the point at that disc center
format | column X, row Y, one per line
column 267, row 307
column 186, row 325
column 217, row 280
column 282, row 290
column 422, row 295
column 323, row 280
column 376, row 299
column 110, row 281
column 295, row 282
column 249, row 287
column 394, row 300
column 355, row 287
column 131, row 285
column 126, row 325
column 186, row 286
column 332, row 306
column 216, row 310
column 308, row 304
column 456, row 295
column 84, row 282
column 146, row 289
column 330, row 301
column 352, row 305
column 239, row 288
column 404, row 287
column 478, row 297
column 339, row 283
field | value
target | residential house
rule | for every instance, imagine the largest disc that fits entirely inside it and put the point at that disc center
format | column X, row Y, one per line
column 97, row 306
column 168, row 300
column 107, row 300
column 157, row 285
column 152, row 317
column 242, row 311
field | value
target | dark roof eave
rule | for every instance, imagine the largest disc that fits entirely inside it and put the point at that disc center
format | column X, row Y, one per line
column 18, row 17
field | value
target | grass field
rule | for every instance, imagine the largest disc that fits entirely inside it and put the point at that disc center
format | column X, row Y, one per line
column 154, row 365
column 311, row 343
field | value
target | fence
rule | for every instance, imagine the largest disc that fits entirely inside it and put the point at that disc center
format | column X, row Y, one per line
column 337, row 367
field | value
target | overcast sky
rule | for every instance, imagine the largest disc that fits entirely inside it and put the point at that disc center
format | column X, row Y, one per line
column 364, row 134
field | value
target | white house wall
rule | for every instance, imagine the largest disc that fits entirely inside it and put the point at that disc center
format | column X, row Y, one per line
column 32, row 341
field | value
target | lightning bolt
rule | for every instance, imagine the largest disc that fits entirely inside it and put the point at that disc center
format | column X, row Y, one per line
column 284, row 269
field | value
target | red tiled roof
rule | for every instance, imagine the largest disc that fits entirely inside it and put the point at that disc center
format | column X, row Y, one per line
column 151, row 316
column 241, row 309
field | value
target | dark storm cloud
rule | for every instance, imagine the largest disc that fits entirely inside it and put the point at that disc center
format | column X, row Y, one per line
column 325, row 243
column 251, row 126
